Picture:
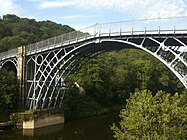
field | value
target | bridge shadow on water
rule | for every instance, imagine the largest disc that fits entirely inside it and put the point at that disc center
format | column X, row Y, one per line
column 92, row 128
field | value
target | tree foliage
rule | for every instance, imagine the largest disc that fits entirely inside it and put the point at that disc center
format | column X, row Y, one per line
column 8, row 94
column 16, row 31
column 109, row 78
column 163, row 116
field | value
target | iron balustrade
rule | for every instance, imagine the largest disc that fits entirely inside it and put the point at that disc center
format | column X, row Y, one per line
column 171, row 25
column 8, row 54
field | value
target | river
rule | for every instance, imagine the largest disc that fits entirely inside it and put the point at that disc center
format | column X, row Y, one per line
column 91, row 128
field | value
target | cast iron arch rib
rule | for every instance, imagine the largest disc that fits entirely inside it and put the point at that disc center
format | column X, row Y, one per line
column 171, row 56
column 9, row 64
column 49, row 63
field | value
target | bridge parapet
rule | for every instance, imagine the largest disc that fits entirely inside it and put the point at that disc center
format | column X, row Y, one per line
column 9, row 54
column 61, row 40
column 157, row 26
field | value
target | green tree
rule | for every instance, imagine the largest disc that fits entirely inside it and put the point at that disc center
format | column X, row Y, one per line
column 110, row 77
column 10, row 18
column 16, row 31
column 8, row 94
column 12, row 42
column 4, row 30
column 145, row 116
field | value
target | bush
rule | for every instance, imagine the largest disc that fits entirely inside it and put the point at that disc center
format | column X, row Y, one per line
column 145, row 116
column 8, row 94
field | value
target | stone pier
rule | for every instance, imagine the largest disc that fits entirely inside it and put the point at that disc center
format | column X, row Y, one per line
column 43, row 118
column 21, row 75
column 40, row 118
column 43, row 121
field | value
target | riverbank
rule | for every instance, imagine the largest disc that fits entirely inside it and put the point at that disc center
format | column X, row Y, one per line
column 90, row 112
column 7, row 125
column 17, row 119
column 90, row 128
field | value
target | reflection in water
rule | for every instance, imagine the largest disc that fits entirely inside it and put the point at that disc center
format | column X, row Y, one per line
column 93, row 128
column 44, row 132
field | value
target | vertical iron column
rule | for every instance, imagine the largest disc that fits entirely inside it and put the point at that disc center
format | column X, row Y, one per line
column 21, row 76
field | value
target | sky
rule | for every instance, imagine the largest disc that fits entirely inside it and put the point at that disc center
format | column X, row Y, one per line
column 83, row 13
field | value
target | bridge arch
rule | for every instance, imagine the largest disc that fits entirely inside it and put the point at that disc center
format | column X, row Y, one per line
column 155, row 54
column 60, row 64
column 9, row 65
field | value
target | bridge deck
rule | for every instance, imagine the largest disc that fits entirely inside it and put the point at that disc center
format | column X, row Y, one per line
column 137, row 28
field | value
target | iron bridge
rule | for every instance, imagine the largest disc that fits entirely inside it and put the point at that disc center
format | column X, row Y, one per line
column 46, row 68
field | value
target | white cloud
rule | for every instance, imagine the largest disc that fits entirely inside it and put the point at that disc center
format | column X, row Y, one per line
column 161, row 8
column 52, row 4
column 79, row 27
column 34, row 0
column 76, row 16
column 8, row 7
column 71, row 17
column 138, row 8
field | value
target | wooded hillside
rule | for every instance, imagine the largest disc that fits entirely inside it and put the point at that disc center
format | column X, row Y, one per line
column 16, row 31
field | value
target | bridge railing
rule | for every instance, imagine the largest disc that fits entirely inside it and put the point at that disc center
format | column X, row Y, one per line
column 145, row 26
column 61, row 40
column 156, row 25
column 114, row 28
column 8, row 54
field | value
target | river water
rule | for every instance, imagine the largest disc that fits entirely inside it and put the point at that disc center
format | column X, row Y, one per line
column 92, row 128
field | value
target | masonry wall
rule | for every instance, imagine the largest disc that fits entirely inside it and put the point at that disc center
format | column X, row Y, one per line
column 21, row 75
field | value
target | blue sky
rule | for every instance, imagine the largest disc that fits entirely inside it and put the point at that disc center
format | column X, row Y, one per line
column 82, row 13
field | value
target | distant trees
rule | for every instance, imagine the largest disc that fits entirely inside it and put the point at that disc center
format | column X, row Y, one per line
column 109, row 78
column 16, row 31
column 145, row 116
column 116, row 74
